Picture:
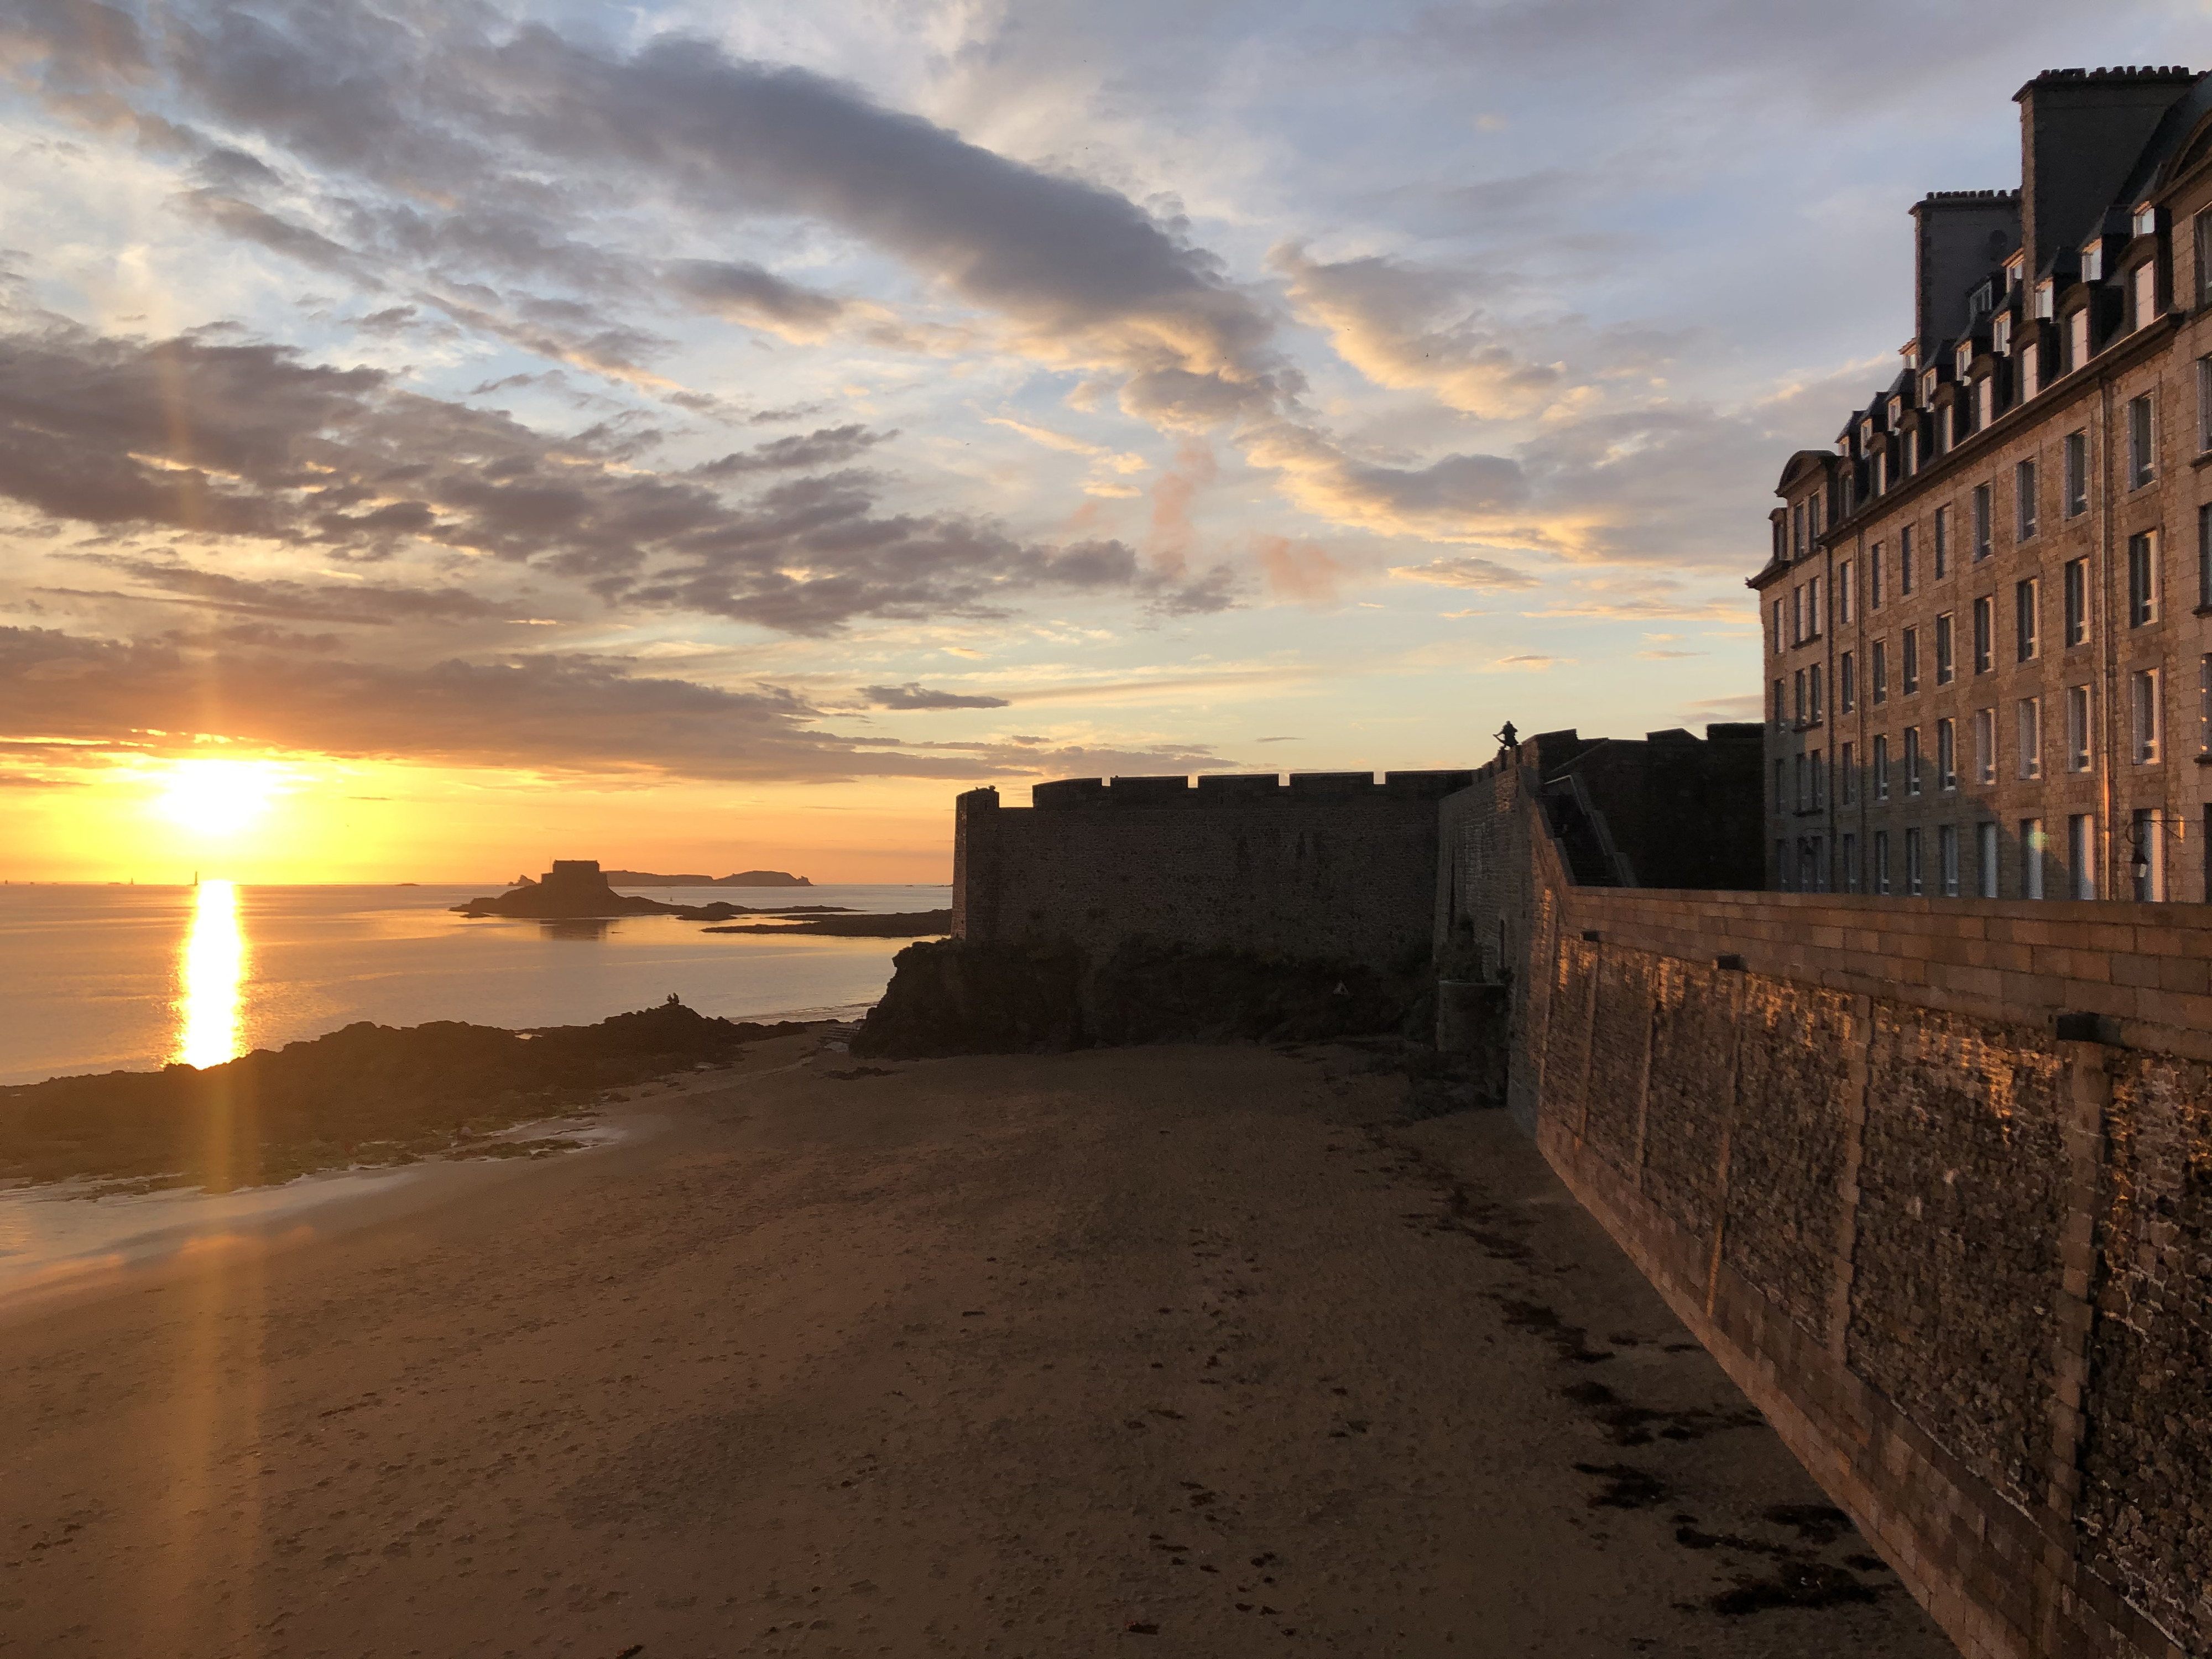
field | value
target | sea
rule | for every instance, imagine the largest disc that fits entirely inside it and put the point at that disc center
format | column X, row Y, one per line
column 108, row 978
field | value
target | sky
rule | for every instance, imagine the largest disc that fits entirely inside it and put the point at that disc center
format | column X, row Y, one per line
column 439, row 437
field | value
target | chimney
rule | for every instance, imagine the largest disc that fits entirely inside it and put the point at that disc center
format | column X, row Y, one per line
column 2081, row 132
column 1959, row 237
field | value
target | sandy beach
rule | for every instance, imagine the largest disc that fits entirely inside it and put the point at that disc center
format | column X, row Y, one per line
column 1174, row 1350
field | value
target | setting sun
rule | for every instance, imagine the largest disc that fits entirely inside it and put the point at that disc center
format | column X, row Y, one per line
column 218, row 797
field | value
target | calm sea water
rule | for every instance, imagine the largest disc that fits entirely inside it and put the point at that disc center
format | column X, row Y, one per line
column 95, row 979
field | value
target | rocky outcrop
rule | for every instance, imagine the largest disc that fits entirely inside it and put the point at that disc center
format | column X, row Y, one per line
column 742, row 878
column 906, row 924
column 953, row 997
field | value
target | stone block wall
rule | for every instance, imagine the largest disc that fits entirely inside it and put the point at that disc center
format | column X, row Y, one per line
column 1963, row 1264
column 1328, row 866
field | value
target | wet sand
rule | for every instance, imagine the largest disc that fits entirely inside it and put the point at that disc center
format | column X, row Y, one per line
column 1179, row 1351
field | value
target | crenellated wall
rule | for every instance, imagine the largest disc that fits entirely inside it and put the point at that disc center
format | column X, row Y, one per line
column 1331, row 865
column 1960, row 1255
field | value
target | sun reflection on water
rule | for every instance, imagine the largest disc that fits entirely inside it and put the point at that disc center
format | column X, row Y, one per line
column 208, row 974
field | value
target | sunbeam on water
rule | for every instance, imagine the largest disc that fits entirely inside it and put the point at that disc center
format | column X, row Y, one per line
column 210, row 968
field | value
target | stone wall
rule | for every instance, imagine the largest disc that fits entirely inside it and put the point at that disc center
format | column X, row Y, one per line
column 1328, row 866
column 1963, row 1263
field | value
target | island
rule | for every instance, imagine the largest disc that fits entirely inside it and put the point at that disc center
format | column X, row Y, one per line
column 743, row 878
column 576, row 889
column 910, row 924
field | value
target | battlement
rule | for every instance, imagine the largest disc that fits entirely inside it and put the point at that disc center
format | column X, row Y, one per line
column 1239, row 789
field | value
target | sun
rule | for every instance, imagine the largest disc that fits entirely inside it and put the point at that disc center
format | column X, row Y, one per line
column 217, row 797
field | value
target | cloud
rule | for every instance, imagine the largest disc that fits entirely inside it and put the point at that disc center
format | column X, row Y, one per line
column 1667, row 656
column 1525, row 664
column 551, row 713
column 1406, row 327
column 1468, row 571
column 740, row 291
column 215, row 438
column 1303, row 572
column 912, row 695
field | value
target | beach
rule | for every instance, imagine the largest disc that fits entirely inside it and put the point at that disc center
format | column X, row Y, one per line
column 1177, row 1351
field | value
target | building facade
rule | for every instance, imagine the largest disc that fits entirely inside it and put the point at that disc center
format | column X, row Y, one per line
column 1988, row 610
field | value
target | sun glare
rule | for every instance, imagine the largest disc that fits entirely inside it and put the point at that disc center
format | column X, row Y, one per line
column 217, row 797
column 210, row 968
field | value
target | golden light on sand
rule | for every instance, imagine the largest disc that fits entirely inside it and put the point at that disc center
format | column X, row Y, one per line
column 217, row 797
column 209, row 971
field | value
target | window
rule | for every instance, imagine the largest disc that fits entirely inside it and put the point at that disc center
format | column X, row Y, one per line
column 2142, row 294
column 2147, row 855
column 2026, row 603
column 1881, row 672
column 1844, row 588
column 1985, row 861
column 1946, row 665
column 1905, row 559
column 2204, row 557
column 1816, row 866
column 2142, row 699
column 1820, row 775
column 2203, row 404
column 1912, row 760
column 1947, row 858
column 2081, row 855
column 1847, row 689
column 2000, row 333
column 2076, row 574
column 2023, row 494
column 1881, row 860
column 1911, row 664
column 1798, row 767
column 2030, row 712
column 1981, row 509
column 2077, row 338
column 2077, row 728
column 1912, row 884
column 1797, row 696
column 1798, row 616
column 1882, row 765
column 1781, row 714
column 1942, row 542
column 1985, row 748
column 2202, row 227
column 1946, row 428
column 2092, row 263
column 2031, row 858
column 1782, row 869
column 2146, row 220
column 1847, row 788
column 1986, row 400
column 2077, row 474
column 1851, row 851
column 1797, row 533
column 1813, row 693
column 1781, row 786
column 2141, row 464
column 2204, row 723
column 1874, row 578
column 2047, row 300
column 2030, row 368
column 2142, row 579
column 1947, row 754
column 1985, row 628
column 1813, row 608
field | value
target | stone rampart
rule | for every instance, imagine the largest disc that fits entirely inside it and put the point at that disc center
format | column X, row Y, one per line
column 1959, row 1256
column 1330, row 866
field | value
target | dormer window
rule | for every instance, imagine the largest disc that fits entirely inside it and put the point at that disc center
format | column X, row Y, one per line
column 1962, row 360
column 1866, row 433
column 2092, row 263
column 1896, row 413
column 2146, row 220
column 1984, row 299
column 2046, row 299
column 2013, row 268
column 1928, row 379
column 2001, row 335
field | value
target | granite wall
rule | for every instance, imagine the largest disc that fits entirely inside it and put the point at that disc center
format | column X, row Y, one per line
column 1934, row 1183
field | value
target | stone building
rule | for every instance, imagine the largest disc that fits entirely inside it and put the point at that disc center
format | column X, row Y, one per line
column 1988, row 610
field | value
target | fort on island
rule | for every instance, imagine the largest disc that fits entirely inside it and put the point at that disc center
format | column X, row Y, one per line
column 1878, row 1033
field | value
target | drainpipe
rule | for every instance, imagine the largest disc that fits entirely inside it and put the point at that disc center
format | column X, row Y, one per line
column 2108, row 631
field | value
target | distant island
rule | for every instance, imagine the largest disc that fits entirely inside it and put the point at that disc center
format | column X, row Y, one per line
column 910, row 924
column 577, row 890
column 743, row 878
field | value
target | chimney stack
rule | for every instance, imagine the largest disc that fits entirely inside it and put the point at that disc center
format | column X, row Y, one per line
column 1959, row 237
column 2081, row 132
